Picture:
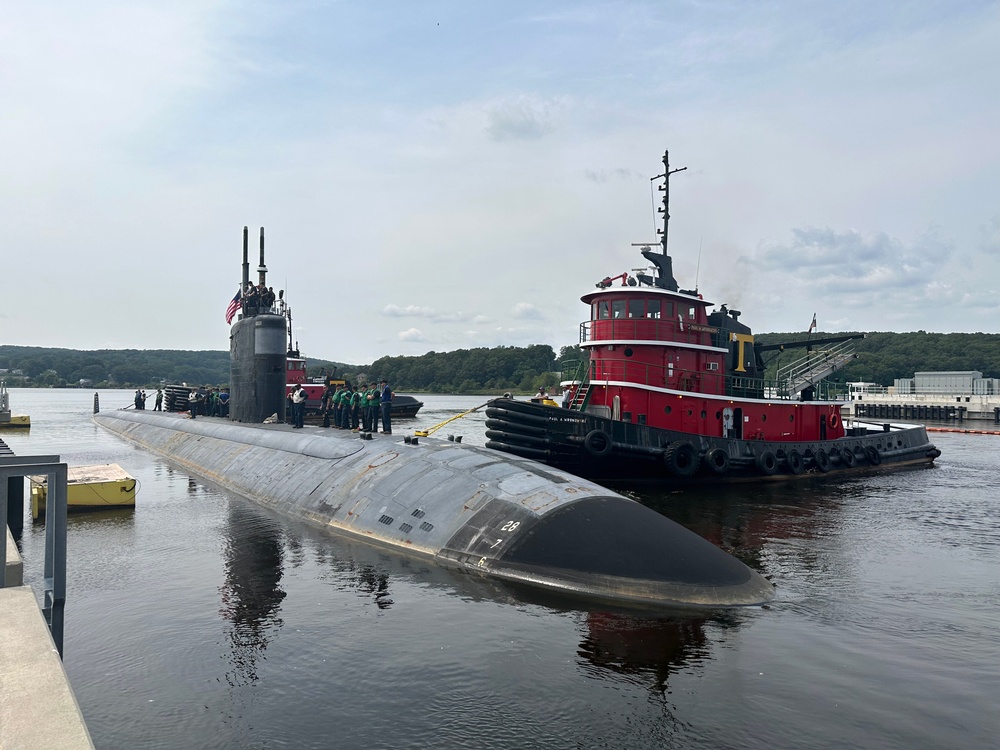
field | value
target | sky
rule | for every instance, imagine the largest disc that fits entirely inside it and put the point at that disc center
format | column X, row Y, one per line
column 435, row 176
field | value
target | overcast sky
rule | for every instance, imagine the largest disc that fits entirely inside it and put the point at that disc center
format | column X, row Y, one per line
column 435, row 176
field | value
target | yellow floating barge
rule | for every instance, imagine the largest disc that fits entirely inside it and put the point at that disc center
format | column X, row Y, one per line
column 14, row 421
column 88, row 488
column 8, row 421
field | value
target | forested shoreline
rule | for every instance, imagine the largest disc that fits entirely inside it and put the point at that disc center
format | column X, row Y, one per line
column 882, row 357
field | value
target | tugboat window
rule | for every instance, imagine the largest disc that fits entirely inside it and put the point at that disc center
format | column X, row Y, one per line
column 635, row 308
column 691, row 312
column 604, row 312
column 703, row 414
column 618, row 309
column 653, row 309
column 666, row 409
column 763, row 417
column 668, row 309
column 628, row 352
column 791, row 417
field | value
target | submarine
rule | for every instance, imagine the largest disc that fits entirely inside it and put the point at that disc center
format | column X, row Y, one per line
column 481, row 511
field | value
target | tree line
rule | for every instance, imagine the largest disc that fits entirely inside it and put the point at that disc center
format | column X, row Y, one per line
column 882, row 357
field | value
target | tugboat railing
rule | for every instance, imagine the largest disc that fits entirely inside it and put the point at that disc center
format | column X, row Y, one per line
column 645, row 329
column 692, row 381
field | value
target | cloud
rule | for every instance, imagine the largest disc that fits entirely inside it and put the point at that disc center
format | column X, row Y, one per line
column 526, row 311
column 395, row 311
column 601, row 176
column 418, row 311
column 989, row 236
column 850, row 261
column 525, row 118
column 411, row 334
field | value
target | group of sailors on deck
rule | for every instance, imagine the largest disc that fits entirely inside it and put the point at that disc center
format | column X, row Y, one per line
column 257, row 299
column 347, row 408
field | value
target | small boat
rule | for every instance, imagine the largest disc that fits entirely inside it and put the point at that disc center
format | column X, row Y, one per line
column 675, row 393
column 10, row 421
column 97, row 487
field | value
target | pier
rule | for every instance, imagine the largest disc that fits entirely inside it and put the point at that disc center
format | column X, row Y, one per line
column 37, row 706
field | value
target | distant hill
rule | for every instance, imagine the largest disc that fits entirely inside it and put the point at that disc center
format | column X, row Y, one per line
column 882, row 358
column 33, row 366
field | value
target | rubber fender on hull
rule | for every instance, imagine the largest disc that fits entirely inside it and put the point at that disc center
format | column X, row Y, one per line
column 848, row 458
column 507, row 426
column 597, row 443
column 767, row 463
column 536, row 454
column 795, row 463
column 822, row 460
column 873, row 456
column 681, row 458
column 717, row 460
column 513, row 437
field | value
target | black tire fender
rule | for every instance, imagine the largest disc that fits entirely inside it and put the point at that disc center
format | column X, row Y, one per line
column 874, row 457
column 822, row 460
column 795, row 463
column 767, row 463
column 597, row 443
column 848, row 458
column 717, row 460
column 681, row 458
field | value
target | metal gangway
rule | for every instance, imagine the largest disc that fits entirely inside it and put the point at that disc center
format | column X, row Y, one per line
column 814, row 367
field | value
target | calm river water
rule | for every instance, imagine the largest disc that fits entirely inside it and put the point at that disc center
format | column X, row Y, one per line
column 200, row 620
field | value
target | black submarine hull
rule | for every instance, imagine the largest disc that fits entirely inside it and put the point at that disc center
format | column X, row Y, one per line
column 461, row 505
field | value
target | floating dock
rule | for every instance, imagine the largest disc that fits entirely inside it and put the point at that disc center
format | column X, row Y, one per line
column 10, row 421
column 96, row 487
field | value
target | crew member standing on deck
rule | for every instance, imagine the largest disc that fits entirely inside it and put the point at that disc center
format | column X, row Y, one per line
column 386, row 404
column 193, row 403
column 567, row 399
column 371, row 406
column 299, row 396
column 158, row 406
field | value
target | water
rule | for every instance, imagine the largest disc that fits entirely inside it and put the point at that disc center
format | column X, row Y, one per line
column 200, row 620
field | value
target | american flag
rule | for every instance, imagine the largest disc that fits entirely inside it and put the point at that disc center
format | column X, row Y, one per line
column 812, row 326
column 234, row 305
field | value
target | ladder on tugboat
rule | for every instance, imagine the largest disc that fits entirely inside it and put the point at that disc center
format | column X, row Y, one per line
column 808, row 371
column 582, row 393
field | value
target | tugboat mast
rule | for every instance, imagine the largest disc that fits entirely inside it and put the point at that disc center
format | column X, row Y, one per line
column 665, row 276
column 667, row 171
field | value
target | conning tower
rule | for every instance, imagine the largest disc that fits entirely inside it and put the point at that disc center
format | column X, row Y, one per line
column 256, row 352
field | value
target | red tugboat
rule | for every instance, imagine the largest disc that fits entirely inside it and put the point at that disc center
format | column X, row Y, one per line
column 674, row 393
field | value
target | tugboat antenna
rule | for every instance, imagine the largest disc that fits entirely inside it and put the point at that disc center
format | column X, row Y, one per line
column 666, row 195
column 697, row 269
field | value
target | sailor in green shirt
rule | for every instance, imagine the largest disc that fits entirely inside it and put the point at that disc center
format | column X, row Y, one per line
column 357, row 397
column 338, row 399
column 371, row 408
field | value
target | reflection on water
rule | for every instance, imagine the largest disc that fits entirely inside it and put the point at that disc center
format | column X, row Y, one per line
column 251, row 594
column 372, row 581
column 644, row 647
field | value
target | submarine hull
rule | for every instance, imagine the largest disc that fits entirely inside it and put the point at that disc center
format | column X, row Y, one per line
column 461, row 505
